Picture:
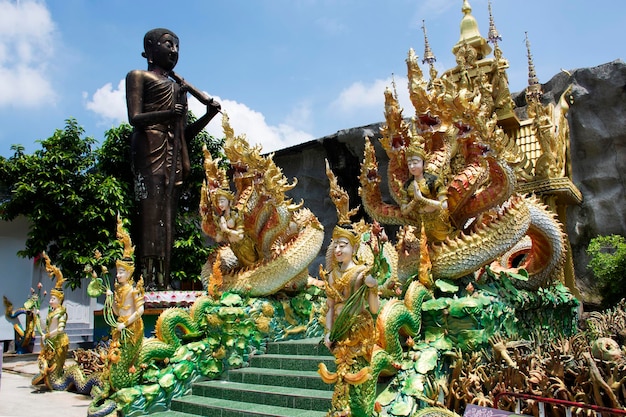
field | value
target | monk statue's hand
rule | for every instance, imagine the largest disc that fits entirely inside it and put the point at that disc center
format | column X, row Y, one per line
column 214, row 105
column 179, row 109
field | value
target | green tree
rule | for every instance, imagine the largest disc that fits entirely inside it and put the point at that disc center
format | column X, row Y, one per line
column 72, row 195
column 72, row 207
column 608, row 263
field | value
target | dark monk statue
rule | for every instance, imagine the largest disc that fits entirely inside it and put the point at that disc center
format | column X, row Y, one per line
column 157, row 109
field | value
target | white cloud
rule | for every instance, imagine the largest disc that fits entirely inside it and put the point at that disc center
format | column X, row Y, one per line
column 300, row 117
column 253, row 125
column 26, row 46
column 109, row 103
column 25, row 87
column 368, row 99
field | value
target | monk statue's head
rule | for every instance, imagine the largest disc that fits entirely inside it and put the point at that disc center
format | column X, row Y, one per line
column 161, row 48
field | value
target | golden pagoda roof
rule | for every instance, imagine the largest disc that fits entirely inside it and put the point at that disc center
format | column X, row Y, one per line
column 470, row 34
column 541, row 138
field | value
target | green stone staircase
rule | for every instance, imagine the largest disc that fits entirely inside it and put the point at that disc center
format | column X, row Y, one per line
column 280, row 383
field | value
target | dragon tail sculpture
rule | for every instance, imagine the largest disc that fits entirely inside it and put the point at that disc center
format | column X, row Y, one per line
column 545, row 256
column 465, row 254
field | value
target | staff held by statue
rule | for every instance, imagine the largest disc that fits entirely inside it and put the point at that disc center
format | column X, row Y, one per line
column 201, row 96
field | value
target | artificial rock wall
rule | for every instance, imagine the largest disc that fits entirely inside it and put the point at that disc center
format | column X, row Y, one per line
column 597, row 120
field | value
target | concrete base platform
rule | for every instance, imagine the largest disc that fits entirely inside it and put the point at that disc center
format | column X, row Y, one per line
column 18, row 398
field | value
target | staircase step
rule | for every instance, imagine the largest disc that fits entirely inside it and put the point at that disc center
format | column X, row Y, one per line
column 313, row 347
column 280, row 383
column 171, row 413
column 203, row 406
column 293, row 362
column 280, row 377
column 277, row 395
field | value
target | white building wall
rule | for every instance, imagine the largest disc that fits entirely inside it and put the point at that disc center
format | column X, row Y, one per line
column 16, row 274
column 19, row 275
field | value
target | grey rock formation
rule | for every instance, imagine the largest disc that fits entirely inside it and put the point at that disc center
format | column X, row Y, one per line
column 597, row 120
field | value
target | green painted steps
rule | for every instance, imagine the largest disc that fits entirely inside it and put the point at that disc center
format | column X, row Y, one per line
column 281, row 383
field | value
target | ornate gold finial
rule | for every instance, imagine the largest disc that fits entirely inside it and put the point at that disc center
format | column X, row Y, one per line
column 429, row 56
column 493, row 36
column 53, row 271
column 123, row 237
column 228, row 130
column 344, row 228
column 340, row 198
column 393, row 84
column 470, row 34
column 466, row 8
column 534, row 92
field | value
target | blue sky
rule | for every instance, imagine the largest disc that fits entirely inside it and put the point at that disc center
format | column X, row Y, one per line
column 286, row 71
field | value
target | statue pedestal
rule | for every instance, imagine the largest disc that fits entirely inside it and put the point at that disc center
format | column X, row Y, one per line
column 166, row 299
column 154, row 304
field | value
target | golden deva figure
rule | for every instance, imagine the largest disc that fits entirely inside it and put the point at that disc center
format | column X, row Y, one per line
column 123, row 310
column 426, row 194
column 230, row 227
column 352, row 302
column 54, row 342
column 349, row 278
column 128, row 300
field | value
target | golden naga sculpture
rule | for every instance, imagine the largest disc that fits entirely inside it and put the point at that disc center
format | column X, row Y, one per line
column 458, row 169
column 266, row 241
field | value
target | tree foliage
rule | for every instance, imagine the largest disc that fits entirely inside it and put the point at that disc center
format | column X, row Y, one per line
column 72, row 193
column 608, row 263
column 72, row 208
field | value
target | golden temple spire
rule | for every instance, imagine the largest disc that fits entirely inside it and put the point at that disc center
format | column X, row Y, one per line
column 470, row 34
column 429, row 56
column 493, row 36
column 533, row 92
